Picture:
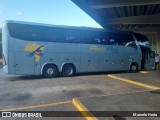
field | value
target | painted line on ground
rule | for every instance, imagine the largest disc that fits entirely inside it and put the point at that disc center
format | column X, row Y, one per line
column 107, row 95
column 134, row 82
column 65, row 102
column 37, row 106
column 84, row 111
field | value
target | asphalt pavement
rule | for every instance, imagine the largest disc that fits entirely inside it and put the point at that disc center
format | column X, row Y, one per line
column 94, row 91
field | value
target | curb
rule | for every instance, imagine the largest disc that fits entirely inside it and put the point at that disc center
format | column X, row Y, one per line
column 84, row 111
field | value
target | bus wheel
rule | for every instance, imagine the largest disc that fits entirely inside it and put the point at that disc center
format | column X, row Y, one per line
column 50, row 71
column 134, row 68
column 68, row 70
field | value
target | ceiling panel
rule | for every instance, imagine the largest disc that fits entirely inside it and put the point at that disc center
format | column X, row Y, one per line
column 123, row 14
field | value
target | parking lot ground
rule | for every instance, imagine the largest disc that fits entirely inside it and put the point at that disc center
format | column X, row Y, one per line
column 94, row 90
column 18, row 91
column 111, row 105
column 60, row 110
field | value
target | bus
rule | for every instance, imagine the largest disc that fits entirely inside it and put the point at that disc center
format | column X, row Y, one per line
column 52, row 50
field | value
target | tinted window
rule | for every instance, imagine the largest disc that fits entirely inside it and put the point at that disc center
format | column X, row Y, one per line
column 113, row 39
column 48, row 34
column 29, row 32
column 99, row 38
column 121, row 39
column 68, row 35
column 140, row 37
column 142, row 40
column 83, row 36
column 19, row 31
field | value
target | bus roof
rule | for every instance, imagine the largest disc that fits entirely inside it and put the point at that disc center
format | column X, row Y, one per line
column 58, row 26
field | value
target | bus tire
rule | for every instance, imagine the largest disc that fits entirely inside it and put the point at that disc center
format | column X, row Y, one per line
column 68, row 70
column 134, row 68
column 50, row 71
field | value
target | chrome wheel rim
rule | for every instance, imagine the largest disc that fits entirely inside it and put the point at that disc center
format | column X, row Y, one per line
column 134, row 67
column 50, row 71
column 68, row 71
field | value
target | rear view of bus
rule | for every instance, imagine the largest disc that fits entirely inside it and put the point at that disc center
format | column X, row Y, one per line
column 14, row 58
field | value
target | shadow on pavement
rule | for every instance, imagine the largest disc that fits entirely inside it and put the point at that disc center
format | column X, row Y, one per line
column 101, row 73
column 13, row 78
column 21, row 78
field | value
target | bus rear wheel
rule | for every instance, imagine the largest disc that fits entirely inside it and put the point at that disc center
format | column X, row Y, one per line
column 50, row 71
column 68, row 70
column 134, row 68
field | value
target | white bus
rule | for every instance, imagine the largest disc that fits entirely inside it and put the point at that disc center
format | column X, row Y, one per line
column 49, row 50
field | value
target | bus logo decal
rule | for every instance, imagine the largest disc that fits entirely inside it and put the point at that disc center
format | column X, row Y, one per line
column 35, row 50
column 112, row 49
column 97, row 49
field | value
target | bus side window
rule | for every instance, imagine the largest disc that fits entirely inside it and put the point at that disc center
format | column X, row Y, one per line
column 104, row 41
column 36, row 37
column 98, row 38
column 60, row 35
column 71, row 36
column 122, row 39
column 113, row 38
column 131, row 44
column 83, row 37
column 71, row 39
column 50, row 38
column 129, row 41
column 97, row 41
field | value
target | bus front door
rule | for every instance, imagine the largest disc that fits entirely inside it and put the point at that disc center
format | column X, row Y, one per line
column 150, row 61
column 24, row 64
column 147, row 61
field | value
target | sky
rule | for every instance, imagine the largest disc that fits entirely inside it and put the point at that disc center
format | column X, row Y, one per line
column 57, row 12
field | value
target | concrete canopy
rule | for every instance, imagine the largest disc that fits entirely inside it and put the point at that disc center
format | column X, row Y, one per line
column 123, row 14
